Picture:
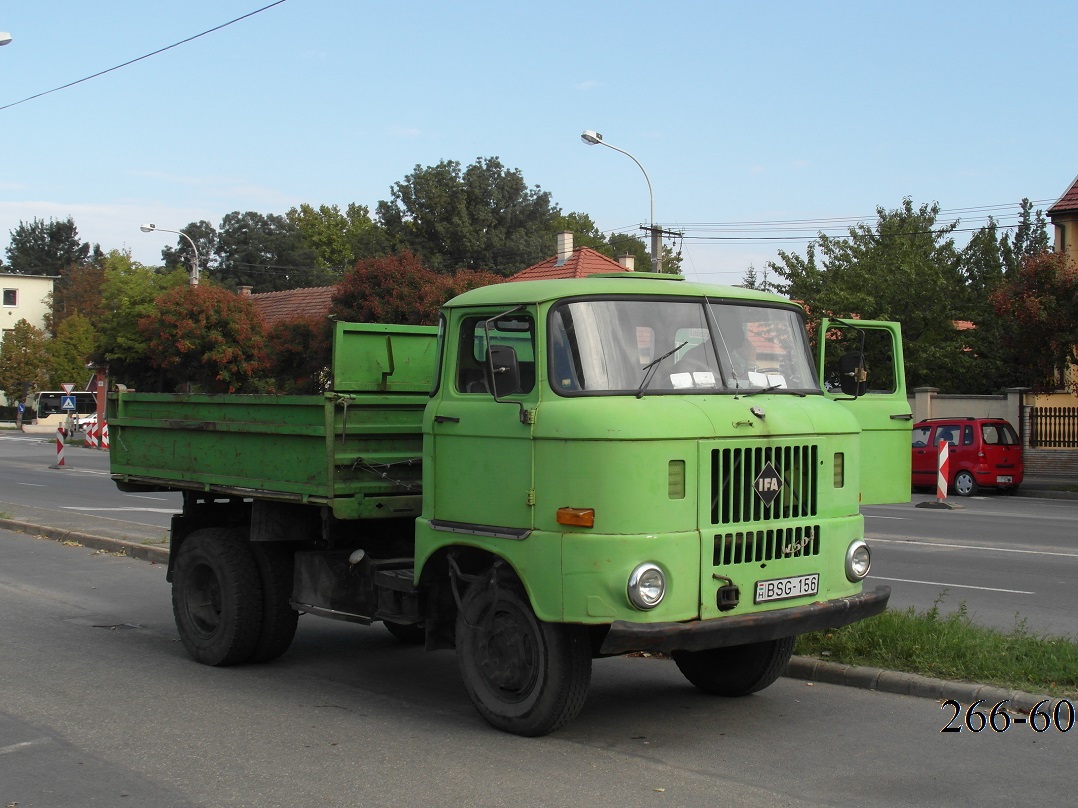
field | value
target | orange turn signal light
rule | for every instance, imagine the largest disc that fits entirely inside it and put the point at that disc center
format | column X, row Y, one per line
column 580, row 517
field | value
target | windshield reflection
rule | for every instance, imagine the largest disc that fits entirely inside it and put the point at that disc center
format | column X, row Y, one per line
column 677, row 346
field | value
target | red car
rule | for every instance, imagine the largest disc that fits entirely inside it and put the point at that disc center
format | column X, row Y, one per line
column 982, row 453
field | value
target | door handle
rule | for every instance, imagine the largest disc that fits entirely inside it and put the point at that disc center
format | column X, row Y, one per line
column 446, row 419
column 902, row 416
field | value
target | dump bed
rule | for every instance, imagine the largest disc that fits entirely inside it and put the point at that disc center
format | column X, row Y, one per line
column 356, row 448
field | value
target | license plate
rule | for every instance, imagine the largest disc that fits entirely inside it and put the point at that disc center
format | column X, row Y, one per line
column 785, row 588
column 1004, row 478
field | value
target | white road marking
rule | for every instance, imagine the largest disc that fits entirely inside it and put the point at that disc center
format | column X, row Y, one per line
column 117, row 510
column 18, row 747
column 955, row 586
column 921, row 543
column 34, row 485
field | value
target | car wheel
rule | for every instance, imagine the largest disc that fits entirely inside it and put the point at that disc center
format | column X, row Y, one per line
column 524, row 676
column 736, row 670
column 217, row 597
column 964, row 484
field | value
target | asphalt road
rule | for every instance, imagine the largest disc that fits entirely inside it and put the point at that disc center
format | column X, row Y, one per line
column 1005, row 558
column 99, row 705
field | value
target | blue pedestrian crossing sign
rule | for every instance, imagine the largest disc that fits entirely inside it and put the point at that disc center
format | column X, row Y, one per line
column 67, row 402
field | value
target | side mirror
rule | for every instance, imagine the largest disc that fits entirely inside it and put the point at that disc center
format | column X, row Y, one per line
column 852, row 374
column 505, row 370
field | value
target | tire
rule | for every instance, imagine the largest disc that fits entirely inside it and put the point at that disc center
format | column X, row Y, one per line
column 737, row 670
column 408, row 634
column 964, row 485
column 217, row 597
column 279, row 619
column 524, row 676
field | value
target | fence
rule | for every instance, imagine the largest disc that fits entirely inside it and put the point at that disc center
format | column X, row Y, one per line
column 1053, row 427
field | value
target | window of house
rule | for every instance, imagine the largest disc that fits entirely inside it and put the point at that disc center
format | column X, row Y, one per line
column 11, row 297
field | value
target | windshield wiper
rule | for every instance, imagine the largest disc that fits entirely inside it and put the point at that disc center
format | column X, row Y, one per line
column 649, row 369
column 772, row 389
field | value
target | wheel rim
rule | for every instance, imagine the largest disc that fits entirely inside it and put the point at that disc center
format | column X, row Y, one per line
column 202, row 601
column 510, row 654
column 963, row 484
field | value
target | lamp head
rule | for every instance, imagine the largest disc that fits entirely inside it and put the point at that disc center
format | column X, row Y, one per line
column 591, row 137
column 5, row 37
column 148, row 228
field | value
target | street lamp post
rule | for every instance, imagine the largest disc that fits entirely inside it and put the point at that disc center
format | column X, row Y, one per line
column 152, row 228
column 592, row 138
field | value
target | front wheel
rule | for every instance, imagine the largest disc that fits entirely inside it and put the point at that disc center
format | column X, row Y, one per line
column 738, row 669
column 524, row 676
column 964, row 484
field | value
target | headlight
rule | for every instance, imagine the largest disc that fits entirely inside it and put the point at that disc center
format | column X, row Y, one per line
column 858, row 560
column 647, row 585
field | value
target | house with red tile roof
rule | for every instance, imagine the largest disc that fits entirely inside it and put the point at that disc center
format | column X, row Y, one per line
column 291, row 304
column 572, row 263
column 1064, row 215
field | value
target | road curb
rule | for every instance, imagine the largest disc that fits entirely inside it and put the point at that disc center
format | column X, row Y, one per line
column 143, row 552
column 912, row 684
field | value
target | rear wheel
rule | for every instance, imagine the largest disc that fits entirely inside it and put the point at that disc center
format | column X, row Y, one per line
column 407, row 633
column 275, row 570
column 964, row 484
column 217, row 597
column 524, row 676
column 738, row 669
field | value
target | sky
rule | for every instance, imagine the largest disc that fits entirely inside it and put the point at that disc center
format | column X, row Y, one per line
column 758, row 124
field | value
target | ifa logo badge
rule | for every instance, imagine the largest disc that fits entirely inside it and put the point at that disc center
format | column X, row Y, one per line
column 768, row 484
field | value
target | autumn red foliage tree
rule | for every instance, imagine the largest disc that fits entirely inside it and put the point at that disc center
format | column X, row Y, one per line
column 298, row 354
column 204, row 338
column 1039, row 302
column 400, row 289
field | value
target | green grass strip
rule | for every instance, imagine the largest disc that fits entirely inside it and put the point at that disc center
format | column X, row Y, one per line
column 952, row 647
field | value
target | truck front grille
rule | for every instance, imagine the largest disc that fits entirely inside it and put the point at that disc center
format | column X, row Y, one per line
column 734, row 471
column 756, row 546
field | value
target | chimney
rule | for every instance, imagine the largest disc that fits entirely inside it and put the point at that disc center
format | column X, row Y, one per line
column 565, row 247
column 628, row 262
column 245, row 291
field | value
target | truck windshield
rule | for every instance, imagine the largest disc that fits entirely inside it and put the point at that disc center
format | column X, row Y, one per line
column 642, row 347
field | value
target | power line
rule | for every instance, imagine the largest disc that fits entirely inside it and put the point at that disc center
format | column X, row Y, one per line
column 140, row 58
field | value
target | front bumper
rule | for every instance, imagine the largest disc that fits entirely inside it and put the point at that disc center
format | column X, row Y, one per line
column 720, row 632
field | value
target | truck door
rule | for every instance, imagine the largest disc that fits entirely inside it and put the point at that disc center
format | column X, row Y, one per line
column 482, row 447
column 860, row 365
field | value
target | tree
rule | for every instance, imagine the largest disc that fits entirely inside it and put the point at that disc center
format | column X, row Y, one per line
column 906, row 269
column 400, row 289
column 1039, row 302
column 204, row 236
column 339, row 239
column 77, row 292
column 1030, row 238
column 298, row 354
column 69, row 351
column 204, row 337
column 45, row 248
column 482, row 218
column 129, row 292
column 23, row 361
column 267, row 253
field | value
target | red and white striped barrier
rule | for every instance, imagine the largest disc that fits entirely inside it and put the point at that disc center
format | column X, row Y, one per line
column 59, row 449
column 941, row 474
column 97, row 436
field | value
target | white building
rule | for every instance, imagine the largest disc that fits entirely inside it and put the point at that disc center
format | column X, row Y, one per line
column 23, row 297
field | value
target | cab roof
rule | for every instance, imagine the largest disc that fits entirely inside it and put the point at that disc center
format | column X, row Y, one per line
column 610, row 283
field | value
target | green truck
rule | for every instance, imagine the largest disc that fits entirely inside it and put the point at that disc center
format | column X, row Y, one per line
column 559, row 471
